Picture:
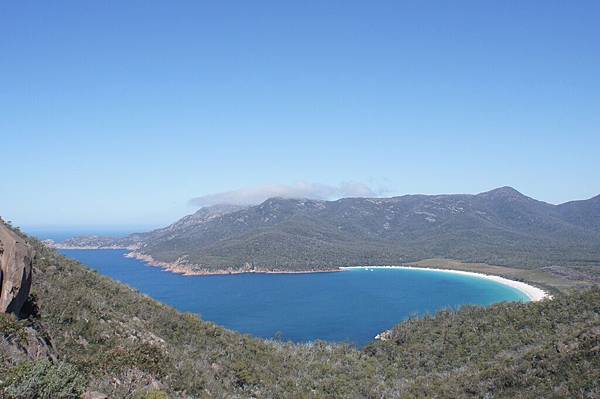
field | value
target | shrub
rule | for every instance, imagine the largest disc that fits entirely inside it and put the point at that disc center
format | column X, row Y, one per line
column 152, row 394
column 44, row 380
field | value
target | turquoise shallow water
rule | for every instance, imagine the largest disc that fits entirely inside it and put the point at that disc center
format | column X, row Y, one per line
column 351, row 306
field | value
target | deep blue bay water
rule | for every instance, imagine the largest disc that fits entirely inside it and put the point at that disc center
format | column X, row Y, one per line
column 351, row 306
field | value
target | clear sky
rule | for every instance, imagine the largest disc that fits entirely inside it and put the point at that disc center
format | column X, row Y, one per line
column 121, row 112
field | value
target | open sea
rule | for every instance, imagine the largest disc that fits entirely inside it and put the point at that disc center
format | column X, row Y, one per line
column 351, row 306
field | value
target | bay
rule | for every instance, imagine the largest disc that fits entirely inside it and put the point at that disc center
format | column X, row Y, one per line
column 350, row 306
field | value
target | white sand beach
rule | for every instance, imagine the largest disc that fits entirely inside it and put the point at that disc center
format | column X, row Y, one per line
column 533, row 293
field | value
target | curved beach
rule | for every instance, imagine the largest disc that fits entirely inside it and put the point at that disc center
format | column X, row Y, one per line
column 533, row 293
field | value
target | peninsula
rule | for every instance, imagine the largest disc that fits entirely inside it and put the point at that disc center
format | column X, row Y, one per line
column 531, row 240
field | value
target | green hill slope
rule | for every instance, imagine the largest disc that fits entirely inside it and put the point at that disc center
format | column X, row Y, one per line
column 103, row 336
column 499, row 227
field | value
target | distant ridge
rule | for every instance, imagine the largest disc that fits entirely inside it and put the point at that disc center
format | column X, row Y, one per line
column 500, row 226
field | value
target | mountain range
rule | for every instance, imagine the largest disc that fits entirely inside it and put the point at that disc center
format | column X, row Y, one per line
column 500, row 227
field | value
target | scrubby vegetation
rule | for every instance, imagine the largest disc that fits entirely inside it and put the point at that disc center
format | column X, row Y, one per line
column 43, row 379
column 109, row 338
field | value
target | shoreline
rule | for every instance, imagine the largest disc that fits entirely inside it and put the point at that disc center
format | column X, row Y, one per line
column 532, row 292
column 184, row 268
column 59, row 245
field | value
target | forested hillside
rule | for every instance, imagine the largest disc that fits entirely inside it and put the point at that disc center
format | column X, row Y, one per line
column 87, row 333
column 499, row 227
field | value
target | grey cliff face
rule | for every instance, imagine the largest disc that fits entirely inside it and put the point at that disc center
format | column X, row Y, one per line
column 15, row 271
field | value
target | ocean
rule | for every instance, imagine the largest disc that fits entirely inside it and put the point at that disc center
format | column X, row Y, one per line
column 351, row 306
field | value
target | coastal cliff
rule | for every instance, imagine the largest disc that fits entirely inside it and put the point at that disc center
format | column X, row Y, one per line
column 16, row 258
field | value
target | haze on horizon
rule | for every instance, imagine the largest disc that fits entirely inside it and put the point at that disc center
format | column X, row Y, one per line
column 123, row 114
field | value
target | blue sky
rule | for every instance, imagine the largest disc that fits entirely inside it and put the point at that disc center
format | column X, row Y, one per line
column 119, row 113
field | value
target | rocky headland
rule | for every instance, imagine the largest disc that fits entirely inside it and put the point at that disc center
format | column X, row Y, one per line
column 15, row 271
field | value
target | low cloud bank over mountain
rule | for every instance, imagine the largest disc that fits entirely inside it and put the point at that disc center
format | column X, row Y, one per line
column 256, row 195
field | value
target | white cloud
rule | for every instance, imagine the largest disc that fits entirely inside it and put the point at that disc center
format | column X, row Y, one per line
column 256, row 195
